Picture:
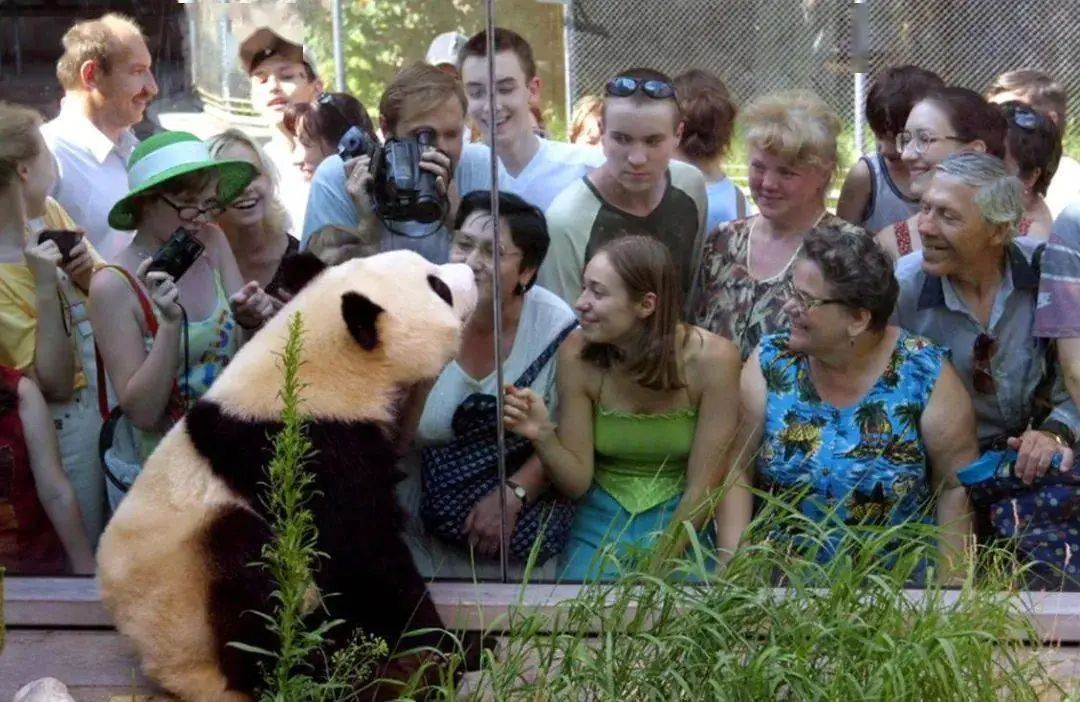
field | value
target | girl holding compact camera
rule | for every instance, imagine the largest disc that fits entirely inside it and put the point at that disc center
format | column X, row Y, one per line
column 175, row 307
column 45, row 333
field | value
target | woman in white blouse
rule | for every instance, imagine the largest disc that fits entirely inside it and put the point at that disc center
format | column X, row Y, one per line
column 533, row 319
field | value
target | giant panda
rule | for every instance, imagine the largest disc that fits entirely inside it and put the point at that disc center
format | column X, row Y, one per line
column 174, row 562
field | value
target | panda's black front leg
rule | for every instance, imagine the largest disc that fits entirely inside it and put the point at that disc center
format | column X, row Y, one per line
column 238, row 589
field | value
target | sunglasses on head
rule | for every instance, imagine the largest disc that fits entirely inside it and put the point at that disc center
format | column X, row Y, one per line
column 625, row 86
column 1023, row 116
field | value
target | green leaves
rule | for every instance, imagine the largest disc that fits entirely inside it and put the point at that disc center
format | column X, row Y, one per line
column 777, row 625
column 291, row 557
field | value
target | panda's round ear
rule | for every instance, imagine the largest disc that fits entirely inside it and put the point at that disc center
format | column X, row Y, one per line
column 299, row 269
column 361, row 316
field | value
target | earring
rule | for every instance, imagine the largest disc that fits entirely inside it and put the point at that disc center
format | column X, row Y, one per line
column 851, row 341
column 519, row 289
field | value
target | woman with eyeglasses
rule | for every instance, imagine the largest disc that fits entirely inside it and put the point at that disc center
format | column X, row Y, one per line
column 319, row 125
column 163, row 340
column 534, row 321
column 255, row 223
column 946, row 121
column 1032, row 153
column 859, row 421
column 745, row 274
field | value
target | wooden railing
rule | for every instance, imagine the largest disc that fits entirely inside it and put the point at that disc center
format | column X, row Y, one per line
column 58, row 627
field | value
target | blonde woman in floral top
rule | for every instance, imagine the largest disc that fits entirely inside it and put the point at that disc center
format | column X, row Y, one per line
column 745, row 274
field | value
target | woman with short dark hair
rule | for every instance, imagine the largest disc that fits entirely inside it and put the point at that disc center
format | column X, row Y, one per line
column 534, row 322
column 859, row 421
column 877, row 190
column 319, row 125
column 1032, row 153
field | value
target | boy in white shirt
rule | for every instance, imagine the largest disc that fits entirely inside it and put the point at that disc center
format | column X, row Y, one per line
column 531, row 167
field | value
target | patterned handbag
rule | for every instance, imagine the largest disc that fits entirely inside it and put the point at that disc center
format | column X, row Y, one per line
column 456, row 475
column 1042, row 520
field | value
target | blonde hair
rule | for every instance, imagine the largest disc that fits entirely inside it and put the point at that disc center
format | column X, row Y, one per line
column 92, row 40
column 794, row 125
column 587, row 106
column 20, row 139
column 333, row 245
column 276, row 221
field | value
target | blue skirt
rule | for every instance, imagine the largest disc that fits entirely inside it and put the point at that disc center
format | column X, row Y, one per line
column 606, row 539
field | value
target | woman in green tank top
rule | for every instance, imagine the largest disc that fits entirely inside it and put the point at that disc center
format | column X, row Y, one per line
column 635, row 384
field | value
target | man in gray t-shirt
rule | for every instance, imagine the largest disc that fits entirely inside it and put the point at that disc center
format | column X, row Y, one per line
column 637, row 190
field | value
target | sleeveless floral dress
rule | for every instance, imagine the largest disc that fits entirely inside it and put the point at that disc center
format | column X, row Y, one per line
column 859, row 465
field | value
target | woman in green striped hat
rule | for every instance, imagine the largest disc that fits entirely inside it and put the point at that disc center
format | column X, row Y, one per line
column 164, row 341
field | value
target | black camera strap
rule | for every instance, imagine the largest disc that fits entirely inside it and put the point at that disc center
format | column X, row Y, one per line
column 185, row 386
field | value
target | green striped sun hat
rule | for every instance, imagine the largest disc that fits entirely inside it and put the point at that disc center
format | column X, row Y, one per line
column 171, row 154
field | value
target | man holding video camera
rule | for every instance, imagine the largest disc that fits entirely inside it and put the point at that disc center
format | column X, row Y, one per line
column 397, row 195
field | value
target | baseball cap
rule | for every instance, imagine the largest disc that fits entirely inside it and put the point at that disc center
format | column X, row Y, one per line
column 264, row 42
column 445, row 48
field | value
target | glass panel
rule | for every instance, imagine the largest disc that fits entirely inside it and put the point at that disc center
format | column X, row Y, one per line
column 48, row 453
column 577, row 47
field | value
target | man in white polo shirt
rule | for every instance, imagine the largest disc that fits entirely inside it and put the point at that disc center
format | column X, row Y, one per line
column 531, row 167
column 105, row 73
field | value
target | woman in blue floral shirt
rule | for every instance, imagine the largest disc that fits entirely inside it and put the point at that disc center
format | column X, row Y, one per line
column 861, row 422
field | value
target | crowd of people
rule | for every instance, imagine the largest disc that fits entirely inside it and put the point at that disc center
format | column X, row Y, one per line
column 670, row 345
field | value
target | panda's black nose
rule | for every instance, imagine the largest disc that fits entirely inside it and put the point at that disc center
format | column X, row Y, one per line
column 441, row 289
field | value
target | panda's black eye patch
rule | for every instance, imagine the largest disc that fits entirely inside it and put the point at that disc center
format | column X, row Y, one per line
column 441, row 289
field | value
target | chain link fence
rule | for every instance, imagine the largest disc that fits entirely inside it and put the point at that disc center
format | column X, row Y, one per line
column 757, row 47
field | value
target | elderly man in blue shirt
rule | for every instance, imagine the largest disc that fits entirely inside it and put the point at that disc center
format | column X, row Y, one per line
column 974, row 288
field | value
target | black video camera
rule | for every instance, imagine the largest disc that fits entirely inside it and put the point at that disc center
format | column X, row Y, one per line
column 177, row 254
column 400, row 189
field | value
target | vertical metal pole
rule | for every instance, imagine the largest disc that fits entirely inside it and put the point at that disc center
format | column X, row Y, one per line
column 193, row 40
column 223, row 60
column 339, row 45
column 568, row 80
column 18, row 46
column 496, row 262
column 859, row 54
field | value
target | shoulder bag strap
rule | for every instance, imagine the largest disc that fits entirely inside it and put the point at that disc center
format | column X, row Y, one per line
column 151, row 326
column 533, row 370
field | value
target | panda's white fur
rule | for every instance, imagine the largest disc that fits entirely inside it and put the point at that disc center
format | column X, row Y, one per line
column 153, row 564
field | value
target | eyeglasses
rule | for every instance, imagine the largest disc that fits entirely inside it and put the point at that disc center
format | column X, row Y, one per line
column 920, row 140
column 486, row 249
column 625, row 86
column 982, row 374
column 189, row 213
column 808, row 302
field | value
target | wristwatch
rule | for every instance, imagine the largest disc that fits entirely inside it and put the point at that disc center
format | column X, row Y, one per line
column 518, row 490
